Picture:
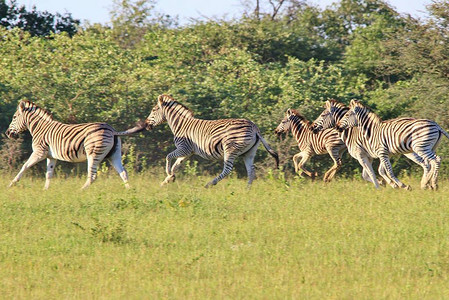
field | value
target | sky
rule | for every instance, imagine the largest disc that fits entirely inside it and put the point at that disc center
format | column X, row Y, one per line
column 97, row 11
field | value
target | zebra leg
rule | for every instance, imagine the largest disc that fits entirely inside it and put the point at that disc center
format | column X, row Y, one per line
column 336, row 157
column 227, row 168
column 32, row 160
column 300, row 166
column 116, row 161
column 296, row 159
column 178, row 163
column 248, row 158
column 434, row 161
column 51, row 162
column 385, row 176
column 386, row 164
column 92, row 166
column 175, row 166
column 436, row 168
column 368, row 172
column 180, row 155
column 91, row 171
column 365, row 175
column 426, row 167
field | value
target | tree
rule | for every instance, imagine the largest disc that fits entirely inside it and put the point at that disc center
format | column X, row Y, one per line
column 132, row 19
column 37, row 23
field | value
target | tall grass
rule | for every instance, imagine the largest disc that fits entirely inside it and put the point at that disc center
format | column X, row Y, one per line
column 281, row 239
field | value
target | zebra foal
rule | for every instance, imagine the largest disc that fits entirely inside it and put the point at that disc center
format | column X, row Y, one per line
column 405, row 135
column 224, row 139
column 53, row 140
column 310, row 143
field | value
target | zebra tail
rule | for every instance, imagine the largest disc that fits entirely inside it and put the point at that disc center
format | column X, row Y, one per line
column 271, row 151
column 140, row 126
column 444, row 132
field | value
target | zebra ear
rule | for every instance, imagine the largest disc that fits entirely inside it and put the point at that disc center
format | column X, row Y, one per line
column 327, row 104
column 353, row 103
column 22, row 105
column 160, row 100
column 289, row 111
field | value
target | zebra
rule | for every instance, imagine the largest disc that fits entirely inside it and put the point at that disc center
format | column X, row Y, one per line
column 419, row 136
column 53, row 140
column 310, row 143
column 211, row 139
column 358, row 146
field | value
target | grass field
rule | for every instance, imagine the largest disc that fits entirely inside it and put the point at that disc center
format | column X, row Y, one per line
column 275, row 241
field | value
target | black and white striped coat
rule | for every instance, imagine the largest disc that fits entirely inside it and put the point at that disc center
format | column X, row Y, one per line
column 53, row 140
column 310, row 143
column 224, row 139
column 358, row 146
column 404, row 135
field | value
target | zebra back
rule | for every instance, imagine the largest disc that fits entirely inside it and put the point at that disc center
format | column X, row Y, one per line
column 305, row 137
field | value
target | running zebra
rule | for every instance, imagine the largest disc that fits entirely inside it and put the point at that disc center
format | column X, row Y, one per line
column 419, row 136
column 358, row 146
column 310, row 144
column 211, row 139
column 53, row 141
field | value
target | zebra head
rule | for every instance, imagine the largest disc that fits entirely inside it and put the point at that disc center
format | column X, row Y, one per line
column 332, row 113
column 19, row 122
column 350, row 118
column 155, row 118
column 157, row 115
column 285, row 124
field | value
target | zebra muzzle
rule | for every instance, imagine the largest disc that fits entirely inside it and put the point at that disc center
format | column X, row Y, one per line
column 11, row 133
column 149, row 126
column 316, row 129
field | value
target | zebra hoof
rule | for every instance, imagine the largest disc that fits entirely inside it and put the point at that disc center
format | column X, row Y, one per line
column 169, row 179
column 408, row 188
column 395, row 186
column 209, row 184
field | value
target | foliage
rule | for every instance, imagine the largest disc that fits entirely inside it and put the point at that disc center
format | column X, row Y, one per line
column 284, row 54
column 35, row 22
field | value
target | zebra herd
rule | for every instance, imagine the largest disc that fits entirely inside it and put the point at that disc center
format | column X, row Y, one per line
column 355, row 128
column 367, row 137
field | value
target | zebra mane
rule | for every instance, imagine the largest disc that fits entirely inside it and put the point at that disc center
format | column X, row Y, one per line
column 367, row 109
column 30, row 106
column 167, row 100
column 337, row 104
column 300, row 117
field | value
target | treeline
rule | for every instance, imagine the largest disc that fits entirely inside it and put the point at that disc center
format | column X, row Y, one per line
column 277, row 55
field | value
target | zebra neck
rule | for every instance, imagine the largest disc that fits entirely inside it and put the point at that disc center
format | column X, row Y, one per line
column 339, row 114
column 300, row 131
column 368, row 121
column 37, row 124
column 177, row 120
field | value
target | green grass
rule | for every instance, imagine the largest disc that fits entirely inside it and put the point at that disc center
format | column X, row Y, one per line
column 275, row 241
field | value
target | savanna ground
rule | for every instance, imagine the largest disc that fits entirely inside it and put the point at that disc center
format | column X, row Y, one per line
column 279, row 240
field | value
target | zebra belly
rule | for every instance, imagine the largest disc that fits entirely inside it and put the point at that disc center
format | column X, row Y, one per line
column 208, row 156
column 80, row 155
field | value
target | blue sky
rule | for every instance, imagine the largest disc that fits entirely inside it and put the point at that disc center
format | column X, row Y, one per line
column 98, row 10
